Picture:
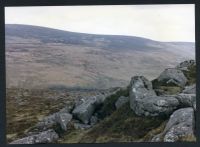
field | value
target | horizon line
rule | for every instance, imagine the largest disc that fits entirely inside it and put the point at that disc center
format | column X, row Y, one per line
column 100, row 34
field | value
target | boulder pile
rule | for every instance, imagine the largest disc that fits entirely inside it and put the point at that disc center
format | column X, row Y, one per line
column 145, row 101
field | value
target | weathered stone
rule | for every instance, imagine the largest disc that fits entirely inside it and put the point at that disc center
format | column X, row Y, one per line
column 121, row 101
column 180, row 125
column 172, row 76
column 190, row 89
column 140, row 88
column 143, row 100
column 156, row 106
column 81, row 126
column 186, row 100
column 63, row 119
column 51, row 120
column 48, row 136
column 46, row 123
column 85, row 110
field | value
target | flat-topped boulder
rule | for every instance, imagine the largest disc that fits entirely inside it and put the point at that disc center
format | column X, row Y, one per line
column 48, row 136
column 172, row 77
column 179, row 127
column 186, row 65
column 156, row 106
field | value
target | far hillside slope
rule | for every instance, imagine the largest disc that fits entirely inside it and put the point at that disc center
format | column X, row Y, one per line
column 44, row 57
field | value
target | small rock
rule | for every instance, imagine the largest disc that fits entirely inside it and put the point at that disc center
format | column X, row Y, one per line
column 93, row 120
column 63, row 119
column 81, row 126
column 48, row 136
column 46, row 123
column 121, row 101
column 190, row 89
column 186, row 100
column 51, row 120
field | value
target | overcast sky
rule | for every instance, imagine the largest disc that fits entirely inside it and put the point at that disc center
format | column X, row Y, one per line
column 157, row 22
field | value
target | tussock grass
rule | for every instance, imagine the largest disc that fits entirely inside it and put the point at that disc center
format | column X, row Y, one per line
column 121, row 126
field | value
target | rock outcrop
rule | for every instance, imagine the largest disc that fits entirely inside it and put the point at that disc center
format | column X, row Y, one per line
column 48, row 136
column 180, row 126
column 179, row 106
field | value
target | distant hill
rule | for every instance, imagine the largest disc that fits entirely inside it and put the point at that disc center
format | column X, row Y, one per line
column 39, row 56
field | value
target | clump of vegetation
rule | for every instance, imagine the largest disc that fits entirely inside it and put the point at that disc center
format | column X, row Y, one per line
column 121, row 126
column 109, row 105
column 188, row 138
column 154, row 132
column 191, row 74
column 73, row 136
column 168, row 89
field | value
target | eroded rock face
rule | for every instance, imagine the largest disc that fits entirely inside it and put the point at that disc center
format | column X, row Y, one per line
column 172, row 76
column 48, row 136
column 121, row 101
column 179, row 126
